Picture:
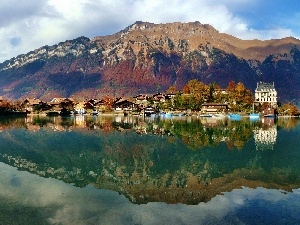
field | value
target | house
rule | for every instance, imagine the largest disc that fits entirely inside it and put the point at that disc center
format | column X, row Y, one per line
column 29, row 104
column 265, row 93
column 44, row 106
column 211, row 108
column 57, row 101
column 58, row 104
column 83, row 107
column 103, row 104
column 221, row 92
column 158, row 98
column 79, row 107
column 171, row 95
column 141, row 100
column 269, row 112
column 123, row 104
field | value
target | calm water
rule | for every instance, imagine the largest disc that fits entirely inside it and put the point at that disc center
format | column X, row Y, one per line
column 153, row 170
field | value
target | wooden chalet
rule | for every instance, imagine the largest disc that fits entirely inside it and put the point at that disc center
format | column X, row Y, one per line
column 57, row 101
column 30, row 103
column 158, row 98
column 141, row 98
column 123, row 104
column 213, row 108
column 102, row 105
column 171, row 95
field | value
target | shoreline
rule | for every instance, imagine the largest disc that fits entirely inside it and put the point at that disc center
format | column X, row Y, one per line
column 129, row 114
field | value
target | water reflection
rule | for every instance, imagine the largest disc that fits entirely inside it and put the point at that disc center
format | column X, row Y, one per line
column 265, row 136
column 174, row 160
column 48, row 201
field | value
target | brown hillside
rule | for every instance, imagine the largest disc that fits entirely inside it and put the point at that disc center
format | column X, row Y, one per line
column 148, row 58
column 197, row 35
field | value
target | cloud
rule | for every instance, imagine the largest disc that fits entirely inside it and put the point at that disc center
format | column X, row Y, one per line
column 14, row 11
column 28, row 25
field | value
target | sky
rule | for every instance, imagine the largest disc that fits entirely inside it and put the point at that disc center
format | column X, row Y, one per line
column 28, row 25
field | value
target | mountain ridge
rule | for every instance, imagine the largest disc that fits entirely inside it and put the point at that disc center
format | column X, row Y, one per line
column 146, row 57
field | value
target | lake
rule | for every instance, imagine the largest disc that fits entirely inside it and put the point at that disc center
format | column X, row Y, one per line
column 153, row 170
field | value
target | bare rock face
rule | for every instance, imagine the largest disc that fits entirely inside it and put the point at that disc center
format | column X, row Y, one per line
column 148, row 58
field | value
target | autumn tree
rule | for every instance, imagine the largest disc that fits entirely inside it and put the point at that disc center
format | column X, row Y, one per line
column 288, row 109
column 5, row 106
column 196, row 93
column 231, row 86
column 171, row 89
column 244, row 98
column 240, row 98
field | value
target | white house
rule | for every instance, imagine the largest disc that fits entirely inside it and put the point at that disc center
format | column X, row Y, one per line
column 266, row 93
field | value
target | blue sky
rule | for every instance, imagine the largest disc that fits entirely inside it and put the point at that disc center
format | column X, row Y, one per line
column 27, row 25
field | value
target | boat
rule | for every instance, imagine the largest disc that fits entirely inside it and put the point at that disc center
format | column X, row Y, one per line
column 166, row 114
column 234, row 116
column 218, row 115
column 205, row 115
column 254, row 115
column 148, row 111
column 177, row 113
column 269, row 115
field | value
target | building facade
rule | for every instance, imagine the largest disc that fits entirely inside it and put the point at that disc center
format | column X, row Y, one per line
column 266, row 93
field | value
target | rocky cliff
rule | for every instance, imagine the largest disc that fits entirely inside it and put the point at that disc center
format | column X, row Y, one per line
column 148, row 58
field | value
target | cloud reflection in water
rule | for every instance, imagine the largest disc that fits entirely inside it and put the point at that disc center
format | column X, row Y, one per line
column 62, row 203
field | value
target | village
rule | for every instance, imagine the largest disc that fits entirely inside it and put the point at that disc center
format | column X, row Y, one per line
column 200, row 100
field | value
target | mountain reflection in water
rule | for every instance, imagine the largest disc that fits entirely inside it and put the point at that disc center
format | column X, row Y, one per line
column 185, row 160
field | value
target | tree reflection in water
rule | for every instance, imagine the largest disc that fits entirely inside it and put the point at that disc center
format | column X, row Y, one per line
column 175, row 160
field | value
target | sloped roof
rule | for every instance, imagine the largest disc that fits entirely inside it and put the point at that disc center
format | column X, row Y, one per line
column 32, row 101
column 265, row 86
column 123, row 100
column 55, row 101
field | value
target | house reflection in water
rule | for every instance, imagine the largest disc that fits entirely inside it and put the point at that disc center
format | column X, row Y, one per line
column 265, row 137
column 80, row 121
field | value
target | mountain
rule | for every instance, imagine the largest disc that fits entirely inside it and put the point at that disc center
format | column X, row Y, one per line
column 148, row 58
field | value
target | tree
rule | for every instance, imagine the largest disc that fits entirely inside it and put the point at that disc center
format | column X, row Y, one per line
column 212, row 88
column 5, row 106
column 231, row 86
column 67, row 106
column 288, row 109
column 196, row 93
column 171, row 89
column 240, row 98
